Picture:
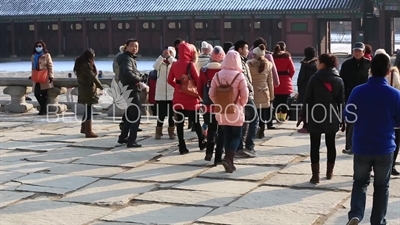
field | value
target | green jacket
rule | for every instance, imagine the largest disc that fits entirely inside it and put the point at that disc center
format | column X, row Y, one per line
column 87, row 85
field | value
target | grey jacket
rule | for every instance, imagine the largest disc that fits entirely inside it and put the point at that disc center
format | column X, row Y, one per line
column 247, row 75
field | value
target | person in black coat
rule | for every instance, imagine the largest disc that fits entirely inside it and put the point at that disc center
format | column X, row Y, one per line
column 322, row 110
column 307, row 69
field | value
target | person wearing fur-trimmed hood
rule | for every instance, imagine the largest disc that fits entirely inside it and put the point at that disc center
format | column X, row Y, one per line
column 115, row 63
column 204, row 56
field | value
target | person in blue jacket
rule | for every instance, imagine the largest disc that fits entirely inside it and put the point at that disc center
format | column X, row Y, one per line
column 374, row 109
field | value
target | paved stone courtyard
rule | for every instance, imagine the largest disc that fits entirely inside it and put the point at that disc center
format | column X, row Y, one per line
column 51, row 175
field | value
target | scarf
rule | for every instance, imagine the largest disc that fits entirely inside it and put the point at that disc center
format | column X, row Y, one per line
column 36, row 59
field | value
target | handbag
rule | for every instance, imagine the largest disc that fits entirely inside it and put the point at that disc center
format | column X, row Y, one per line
column 187, row 85
column 40, row 76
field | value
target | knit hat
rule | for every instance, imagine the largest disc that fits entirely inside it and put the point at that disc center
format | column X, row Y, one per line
column 172, row 50
column 204, row 44
column 218, row 54
column 227, row 46
column 382, row 51
column 259, row 51
column 122, row 48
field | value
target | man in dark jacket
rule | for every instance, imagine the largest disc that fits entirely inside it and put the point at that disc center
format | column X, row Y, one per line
column 129, row 76
column 354, row 72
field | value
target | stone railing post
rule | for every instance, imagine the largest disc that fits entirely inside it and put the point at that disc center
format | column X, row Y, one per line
column 18, row 103
column 52, row 99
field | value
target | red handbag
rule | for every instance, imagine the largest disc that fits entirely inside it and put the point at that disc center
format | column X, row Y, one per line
column 188, row 85
column 40, row 76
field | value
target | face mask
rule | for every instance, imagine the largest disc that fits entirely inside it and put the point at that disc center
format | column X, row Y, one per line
column 39, row 49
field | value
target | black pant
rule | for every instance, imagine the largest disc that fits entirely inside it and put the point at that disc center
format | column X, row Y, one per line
column 265, row 116
column 132, row 119
column 180, row 121
column 281, row 101
column 41, row 97
column 163, row 109
column 315, row 139
column 87, row 115
column 397, row 140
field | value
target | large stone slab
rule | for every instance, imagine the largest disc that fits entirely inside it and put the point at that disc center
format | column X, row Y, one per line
column 227, row 186
column 63, row 155
column 303, row 181
column 44, row 211
column 158, row 214
column 111, row 223
column 241, row 216
column 32, row 146
column 266, row 159
column 288, row 141
column 291, row 200
column 192, row 159
column 160, row 173
column 31, row 136
column 16, row 156
column 8, row 197
column 49, row 183
column 270, row 150
column 123, row 158
column 243, row 172
column 201, row 198
column 290, row 125
column 86, row 170
column 8, row 125
column 392, row 215
column 25, row 166
column 105, row 143
column 9, row 186
column 109, row 192
column 6, row 176
column 277, row 132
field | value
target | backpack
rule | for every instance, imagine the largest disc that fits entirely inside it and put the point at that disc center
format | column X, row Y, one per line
column 206, row 89
column 224, row 97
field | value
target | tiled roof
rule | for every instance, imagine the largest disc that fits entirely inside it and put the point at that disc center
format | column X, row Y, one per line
column 34, row 8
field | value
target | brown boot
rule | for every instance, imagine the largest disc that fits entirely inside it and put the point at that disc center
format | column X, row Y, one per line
column 329, row 170
column 315, row 173
column 159, row 133
column 227, row 162
column 171, row 133
column 88, row 130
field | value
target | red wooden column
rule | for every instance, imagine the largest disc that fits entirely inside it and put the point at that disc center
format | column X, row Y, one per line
column 252, row 28
column 13, row 55
column 283, row 28
column 316, row 36
column 137, row 27
column 110, row 38
column 164, row 32
column 35, row 30
column 221, row 30
column 192, row 39
column 60, row 38
column 84, row 34
column 382, row 29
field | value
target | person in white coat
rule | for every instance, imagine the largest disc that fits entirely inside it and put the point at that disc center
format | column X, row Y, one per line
column 164, row 92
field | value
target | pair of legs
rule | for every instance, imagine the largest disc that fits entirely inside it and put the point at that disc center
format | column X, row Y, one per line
column 315, row 142
column 265, row 116
column 41, row 97
column 348, row 149
column 131, row 125
column 232, row 138
column 281, row 107
column 362, row 166
column 212, row 125
column 165, row 109
column 251, row 127
column 180, row 120
column 86, row 125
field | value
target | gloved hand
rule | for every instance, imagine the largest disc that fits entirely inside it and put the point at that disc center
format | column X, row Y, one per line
column 50, row 79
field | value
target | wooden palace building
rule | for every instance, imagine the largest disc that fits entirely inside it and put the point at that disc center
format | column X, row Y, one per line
column 70, row 26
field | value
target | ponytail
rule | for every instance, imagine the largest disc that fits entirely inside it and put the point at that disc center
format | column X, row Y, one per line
column 277, row 49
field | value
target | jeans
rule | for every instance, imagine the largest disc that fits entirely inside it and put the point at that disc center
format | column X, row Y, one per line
column 132, row 119
column 281, row 101
column 349, row 136
column 252, row 119
column 363, row 165
column 164, row 108
column 315, row 140
column 88, row 113
column 232, row 137
column 41, row 97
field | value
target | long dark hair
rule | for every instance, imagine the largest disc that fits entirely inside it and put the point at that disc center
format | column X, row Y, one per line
column 86, row 57
column 43, row 45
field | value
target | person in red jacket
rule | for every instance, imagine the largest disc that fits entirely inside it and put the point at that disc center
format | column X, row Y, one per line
column 185, row 105
column 206, row 75
column 285, row 67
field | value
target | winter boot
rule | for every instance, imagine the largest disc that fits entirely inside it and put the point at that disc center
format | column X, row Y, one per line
column 329, row 170
column 182, row 148
column 209, row 151
column 158, row 133
column 315, row 173
column 260, row 132
column 171, row 133
column 227, row 162
column 88, row 130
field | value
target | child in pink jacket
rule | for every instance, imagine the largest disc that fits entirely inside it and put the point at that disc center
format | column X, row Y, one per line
column 231, row 123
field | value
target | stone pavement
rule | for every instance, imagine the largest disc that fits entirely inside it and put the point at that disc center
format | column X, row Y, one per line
column 50, row 174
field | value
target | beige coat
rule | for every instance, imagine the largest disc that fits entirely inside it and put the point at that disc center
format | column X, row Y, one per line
column 396, row 78
column 45, row 62
column 262, row 83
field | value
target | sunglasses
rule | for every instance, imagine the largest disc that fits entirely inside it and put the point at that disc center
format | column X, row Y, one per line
column 38, row 46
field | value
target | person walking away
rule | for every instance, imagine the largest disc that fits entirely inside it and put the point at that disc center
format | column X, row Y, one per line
column 185, row 105
column 164, row 93
column 86, row 73
column 373, row 140
column 231, row 121
column 308, row 67
column 285, row 67
column 115, row 62
column 130, row 76
column 322, row 111
column 368, row 52
column 261, row 74
column 394, row 81
column 251, row 125
column 41, row 60
column 203, row 86
column 354, row 72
